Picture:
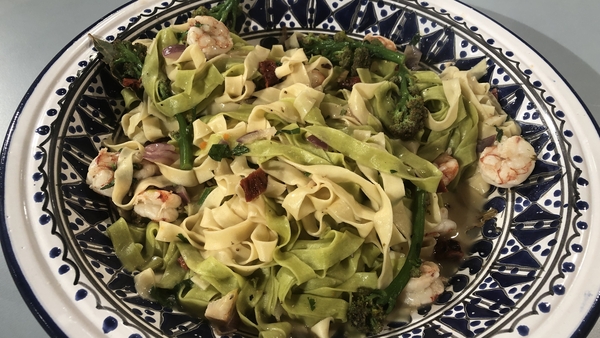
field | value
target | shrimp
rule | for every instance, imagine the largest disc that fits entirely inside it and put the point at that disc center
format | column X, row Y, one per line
column 508, row 162
column 210, row 34
column 157, row 205
column 424, row 289
column 448, row 165
column 445, row 226
column 101, row 172
column 387, row 43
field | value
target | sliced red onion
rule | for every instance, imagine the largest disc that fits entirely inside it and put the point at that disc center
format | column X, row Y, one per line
column 173, row 51
column 413, row 57
column 182, row 192
column 486, row 142
column 317, row 142
column 161, row 153
column 257, row 135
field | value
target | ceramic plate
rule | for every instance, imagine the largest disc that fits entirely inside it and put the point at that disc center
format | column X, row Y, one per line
column 530, row 273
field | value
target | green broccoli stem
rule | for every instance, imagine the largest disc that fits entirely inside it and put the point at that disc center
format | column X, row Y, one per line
column 225, row 12
column 185, row 143
column 369, row 308
column 413, row 261
column 327, row 46
column 227, row 7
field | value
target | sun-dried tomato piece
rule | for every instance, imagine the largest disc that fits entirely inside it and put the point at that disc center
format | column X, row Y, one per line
column 448, row 249
column 267, row 69
column 349, row 82
column 133, row 83
column 255, row 184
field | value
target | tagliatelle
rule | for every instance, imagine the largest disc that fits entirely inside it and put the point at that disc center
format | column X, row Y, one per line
column 296, row 196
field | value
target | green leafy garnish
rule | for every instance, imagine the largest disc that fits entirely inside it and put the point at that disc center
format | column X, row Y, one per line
column 499, row 134
column 108, row 185
column 288, row 131
column 220, row 151
column 125, row 59
column 312, row 303
column 239, row 150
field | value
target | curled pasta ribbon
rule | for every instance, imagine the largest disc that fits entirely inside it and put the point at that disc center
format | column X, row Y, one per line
column 241, row 87
column 292, row 69
column 145, row 123
column 293, row 105
column 452, row 92
column 357, row 102
column 323, row 196
column 490, row 113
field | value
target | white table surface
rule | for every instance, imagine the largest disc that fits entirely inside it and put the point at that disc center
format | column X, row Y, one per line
column 33, row 31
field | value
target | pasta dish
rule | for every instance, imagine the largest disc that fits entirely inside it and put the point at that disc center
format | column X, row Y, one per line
column 297, row 190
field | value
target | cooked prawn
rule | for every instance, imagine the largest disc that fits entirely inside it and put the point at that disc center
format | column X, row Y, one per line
column 387, row 43
column 101, row 172
column 210, row 34
column 448, row 165
column 157, row 205
column 446, row 225
column 424, row 289
column 508, row 162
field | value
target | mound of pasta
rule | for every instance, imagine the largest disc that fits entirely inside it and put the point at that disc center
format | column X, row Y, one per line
column 261, row 188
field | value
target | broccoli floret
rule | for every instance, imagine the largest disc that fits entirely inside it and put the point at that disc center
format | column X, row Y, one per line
column 365, row 314
column 125, row 59
column 226, row 12
column 342, row 51
column 368, row 308
column 361, row 59
column 410, row 113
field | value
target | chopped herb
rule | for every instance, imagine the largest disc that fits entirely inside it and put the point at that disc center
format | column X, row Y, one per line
column 499, row 134
column 137, row 166
column 108, row 185
column 307, row 174
column 164, row 89
column 393, row 171
column 183, row 238
column 219, row 151
column 312, row 303
column 239, row 150
column 344, row 112
column 415, row 39
column 205, row 194
column 165, row 297
column 288, row 131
